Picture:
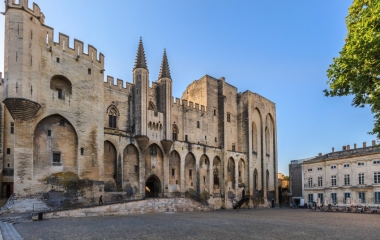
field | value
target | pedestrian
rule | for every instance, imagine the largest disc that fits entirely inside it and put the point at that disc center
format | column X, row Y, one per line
column 243, row 193
column 101, row 200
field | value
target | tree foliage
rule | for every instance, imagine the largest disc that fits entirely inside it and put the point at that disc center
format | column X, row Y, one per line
column 356, row 71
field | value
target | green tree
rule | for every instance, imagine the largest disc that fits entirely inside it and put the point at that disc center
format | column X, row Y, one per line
column 356, row 71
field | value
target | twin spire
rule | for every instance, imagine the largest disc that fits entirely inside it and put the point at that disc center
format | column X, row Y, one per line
column 140, row 62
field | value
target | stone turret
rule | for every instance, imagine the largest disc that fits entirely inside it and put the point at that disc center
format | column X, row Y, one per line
column 164, row 101
column 140, row 95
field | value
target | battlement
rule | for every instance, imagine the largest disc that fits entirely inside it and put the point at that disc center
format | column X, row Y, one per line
column 77, row 51
column 188, row 104
column 23, row 4
column 119, row 86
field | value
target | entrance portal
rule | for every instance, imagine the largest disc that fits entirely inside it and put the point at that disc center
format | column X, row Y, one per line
column 152, row 187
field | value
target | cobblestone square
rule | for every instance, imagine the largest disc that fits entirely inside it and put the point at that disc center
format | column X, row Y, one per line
column 221, row 224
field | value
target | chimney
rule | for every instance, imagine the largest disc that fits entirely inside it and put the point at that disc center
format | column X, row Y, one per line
column 364, row 144
column 344, row 148
column 332, row 149
column 354, row 145
column 373, row 143
column 348, row 147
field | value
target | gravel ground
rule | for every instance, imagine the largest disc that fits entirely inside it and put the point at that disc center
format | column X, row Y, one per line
column 223, row 224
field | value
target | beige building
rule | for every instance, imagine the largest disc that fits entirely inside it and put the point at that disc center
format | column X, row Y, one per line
column 350, row 173
column 71, row 136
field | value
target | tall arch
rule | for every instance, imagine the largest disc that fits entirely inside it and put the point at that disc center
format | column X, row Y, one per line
column 175, row 171
column 231, row 173
column 190, row 171
column 175, row 132
column 267, row 180
column 242, row 172
column 154, row 162
column 255, row 179
column 62, row 85
column 254, row 138
column 272, row 152
column 217, row 171
column 110, row 161
column 131, row 169
column 113, row 114
column 204, row 173
column 259, row 155
column 55, row 143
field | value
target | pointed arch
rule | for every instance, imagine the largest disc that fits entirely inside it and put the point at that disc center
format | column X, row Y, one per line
column 154, row 162
column 131, row 165
column 217, row 169
column 175, row 132
column 110, row 161
column 254, row 137
column 231, row 173
column 255, row 179
column 267, row 141
column 242, row 172
column 175, row 170
column 204, row 173
column 55, row 143
column 113, row 114
column 61, row 84
column 190, row 171
column 151, row 106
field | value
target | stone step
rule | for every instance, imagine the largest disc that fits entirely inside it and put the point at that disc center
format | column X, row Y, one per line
column 8, row 232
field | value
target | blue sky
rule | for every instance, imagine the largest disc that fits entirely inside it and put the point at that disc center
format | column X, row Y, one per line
column 278, row 49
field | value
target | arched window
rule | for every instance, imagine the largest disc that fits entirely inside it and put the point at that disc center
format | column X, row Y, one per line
column 151, row 106
column 112, row 117
column 255, row 179
column 60, row 84
column 175, row 132
column 267, row 180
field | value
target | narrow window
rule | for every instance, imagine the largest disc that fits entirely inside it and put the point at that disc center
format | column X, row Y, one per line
column 205, row 137
column 198, row 124
column 333, row 180
column 56, row 157
column 62, row 122
column 12, row 128
column 204, row 179
column 239, row 173
column 320, row 183
column 376, row 177
column 49, row 133
column 81, row 151
column 153, row 151
column 346, row 179
column 320, row 196
column 216, row 139
column 346, row 195
column 57, row 59
column 233, row 147
column 89, row 71
column 214, row 112
column 173, row 172
column 8, row 165
column 8, row 151
column 176, row 181
column 60, row 93
column 190, row 173
column 136, row 168
column 185, row 138
column 362, row 197
column 334, row 198
column 310, row 197
column 228, row 117
column 361, row 178
column 310, row 182
column 31, row 61
column 376, row 197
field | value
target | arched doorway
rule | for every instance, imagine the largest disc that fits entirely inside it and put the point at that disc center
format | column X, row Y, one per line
column 152, row 186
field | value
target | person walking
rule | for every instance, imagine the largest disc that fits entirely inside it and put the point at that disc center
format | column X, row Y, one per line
column 243, row 194
column 101, row 200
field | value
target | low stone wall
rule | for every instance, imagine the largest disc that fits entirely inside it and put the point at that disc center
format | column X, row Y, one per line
column 155, row 205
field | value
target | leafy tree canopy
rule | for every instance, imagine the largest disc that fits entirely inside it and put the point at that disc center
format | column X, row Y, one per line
column 356, row 71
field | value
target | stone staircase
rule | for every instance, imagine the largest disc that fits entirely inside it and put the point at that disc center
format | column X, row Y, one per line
column 8, row 232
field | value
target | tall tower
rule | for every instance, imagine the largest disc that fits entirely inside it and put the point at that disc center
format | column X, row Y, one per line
column 140, row 94
column 165, row 95
column 22, row 59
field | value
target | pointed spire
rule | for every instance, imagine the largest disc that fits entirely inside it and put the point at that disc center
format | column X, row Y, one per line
column 164, row 71
column 140, row 61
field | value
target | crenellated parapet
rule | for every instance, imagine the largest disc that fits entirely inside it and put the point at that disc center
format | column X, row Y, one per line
column 188, row 104
column 77, row 52
column 119, row 86
column 23, row 4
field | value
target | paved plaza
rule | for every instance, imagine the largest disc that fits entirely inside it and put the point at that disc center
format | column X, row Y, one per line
column 222, row 224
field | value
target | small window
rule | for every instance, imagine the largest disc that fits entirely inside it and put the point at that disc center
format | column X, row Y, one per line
column 82, row 151
column 216, row 139
column 346, row 165
column 173, row 172
column 12, row 128
column 361, row 164
column 49, row 133
column 89, row 71
column 153, row 151
column 136, row 168
column 333, row 167
column 204, row 179
column 8, row 151
column 376, row 162
column 185, row 138
column 319, row 168
column 310, row 170
column 60, row 93
column 62, row 122
column 190, row 173
column 239, row 173
column 233, row 147
column 228, row 117
column 56, row 157
column 205, row 137
column 198, row 124
column 176, row 181
column 9, row 165
column 58, row 59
